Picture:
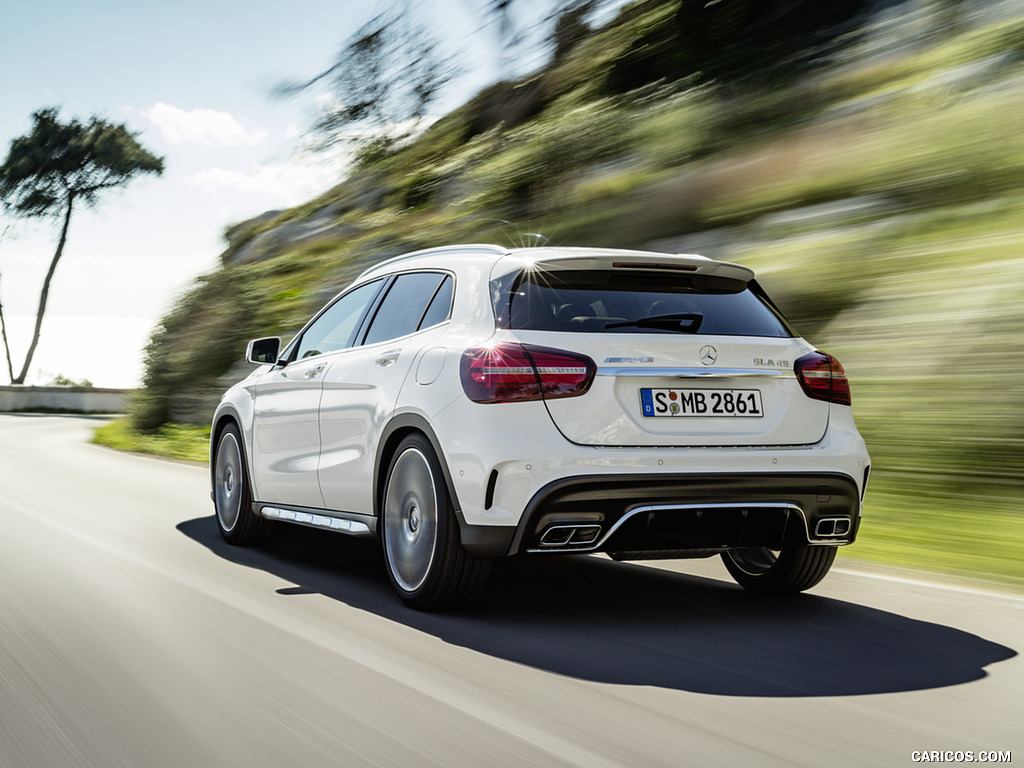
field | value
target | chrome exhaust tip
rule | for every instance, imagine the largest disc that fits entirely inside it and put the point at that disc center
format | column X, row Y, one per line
column 832, row 527
column 556, row 536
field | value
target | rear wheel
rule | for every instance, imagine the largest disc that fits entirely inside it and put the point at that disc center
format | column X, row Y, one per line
column 425, row 560
column 784, row 571
column 232, row 497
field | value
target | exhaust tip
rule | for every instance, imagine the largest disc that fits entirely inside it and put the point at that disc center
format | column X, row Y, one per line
column 832, row 527
column 556, row 536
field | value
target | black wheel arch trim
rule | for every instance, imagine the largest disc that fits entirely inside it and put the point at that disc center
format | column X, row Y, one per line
column 481, row 541
column 408, row 422
column 225, row 414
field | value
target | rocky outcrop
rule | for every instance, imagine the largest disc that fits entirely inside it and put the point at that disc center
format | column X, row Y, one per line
column 322, row 224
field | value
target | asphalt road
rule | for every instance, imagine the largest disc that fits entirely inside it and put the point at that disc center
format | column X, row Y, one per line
column 131, row 635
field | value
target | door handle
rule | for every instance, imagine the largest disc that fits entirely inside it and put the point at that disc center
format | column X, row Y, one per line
column 388, row 358
column 312, row 373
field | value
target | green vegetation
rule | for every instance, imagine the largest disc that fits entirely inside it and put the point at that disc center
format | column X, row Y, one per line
column 60, row 380
column 880, row 199
column 971, row 537
column 171, row 441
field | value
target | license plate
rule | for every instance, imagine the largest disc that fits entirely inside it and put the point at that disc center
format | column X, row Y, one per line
column 743, row 403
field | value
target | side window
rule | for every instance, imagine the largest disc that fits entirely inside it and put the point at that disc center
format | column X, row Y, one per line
column 336, row 327
column 440, row 305
column 403, row 307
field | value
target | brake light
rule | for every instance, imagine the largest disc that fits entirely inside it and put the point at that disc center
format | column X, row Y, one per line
column 823, row 378
column 508, row 372
column 677, row 267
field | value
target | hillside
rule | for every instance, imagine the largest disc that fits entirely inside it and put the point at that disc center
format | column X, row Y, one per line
column 880, row 197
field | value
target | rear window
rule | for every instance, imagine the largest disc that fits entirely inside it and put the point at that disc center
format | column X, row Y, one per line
column 602, row 301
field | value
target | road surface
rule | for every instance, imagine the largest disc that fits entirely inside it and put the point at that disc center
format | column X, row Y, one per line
column 131, row 635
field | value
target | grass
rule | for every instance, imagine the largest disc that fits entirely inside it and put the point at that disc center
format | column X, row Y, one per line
column 171, row 441
column 971, row 537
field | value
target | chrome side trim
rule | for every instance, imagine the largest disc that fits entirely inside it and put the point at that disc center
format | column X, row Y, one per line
column 668, row 507
column 699, row 373
column 329, row 522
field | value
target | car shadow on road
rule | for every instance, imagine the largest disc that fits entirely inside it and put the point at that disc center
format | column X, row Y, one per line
column 595, row 619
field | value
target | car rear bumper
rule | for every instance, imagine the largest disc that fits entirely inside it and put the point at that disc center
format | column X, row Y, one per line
column 678, row 515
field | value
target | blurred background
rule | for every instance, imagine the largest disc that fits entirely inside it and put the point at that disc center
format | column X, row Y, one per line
column 865, row 157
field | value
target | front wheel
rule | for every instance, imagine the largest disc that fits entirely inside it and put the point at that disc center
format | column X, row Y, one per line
column 779, row 572
column 425, row 560
column 232, row 498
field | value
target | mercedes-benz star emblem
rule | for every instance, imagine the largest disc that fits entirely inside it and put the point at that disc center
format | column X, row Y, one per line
column 708, row 354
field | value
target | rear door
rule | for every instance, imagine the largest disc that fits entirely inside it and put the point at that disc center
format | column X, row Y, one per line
column 689, row 353
column 362, row 385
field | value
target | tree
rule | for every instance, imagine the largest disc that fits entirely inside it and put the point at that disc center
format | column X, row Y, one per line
column 735, row 39
column 57, row 166
column 381, row 84
column 3, row 324
column 732, row 42
column 570, row 27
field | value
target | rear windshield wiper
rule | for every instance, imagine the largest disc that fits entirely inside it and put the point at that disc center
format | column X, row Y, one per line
column 682, row 323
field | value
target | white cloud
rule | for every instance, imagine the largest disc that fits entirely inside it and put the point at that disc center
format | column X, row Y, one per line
column 201, row 126
column 277, row 184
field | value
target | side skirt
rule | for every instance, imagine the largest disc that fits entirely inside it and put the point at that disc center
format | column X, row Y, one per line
column 349, row 523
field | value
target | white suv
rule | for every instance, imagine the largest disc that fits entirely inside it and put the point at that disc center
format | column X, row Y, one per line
column 474, row 402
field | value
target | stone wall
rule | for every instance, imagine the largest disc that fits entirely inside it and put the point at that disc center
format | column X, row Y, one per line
column 80, row 399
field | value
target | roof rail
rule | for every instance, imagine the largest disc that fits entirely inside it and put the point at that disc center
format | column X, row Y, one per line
column 441, row 249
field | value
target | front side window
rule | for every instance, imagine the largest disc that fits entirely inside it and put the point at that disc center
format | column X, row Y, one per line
column 404, row 306
column 605, row 301
column 336, row 328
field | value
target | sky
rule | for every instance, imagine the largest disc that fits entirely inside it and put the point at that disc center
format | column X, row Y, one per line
column 193, row 79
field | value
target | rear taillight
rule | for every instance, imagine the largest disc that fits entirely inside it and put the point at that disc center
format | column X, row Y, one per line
column 561, row 374
column 509, row 372
column 823, row 378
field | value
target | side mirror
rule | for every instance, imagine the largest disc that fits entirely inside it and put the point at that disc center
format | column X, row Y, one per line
column 263, row 351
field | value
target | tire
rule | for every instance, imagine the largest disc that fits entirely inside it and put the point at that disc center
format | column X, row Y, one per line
column 232, row 497
column 423, row 555
column 779, row 572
